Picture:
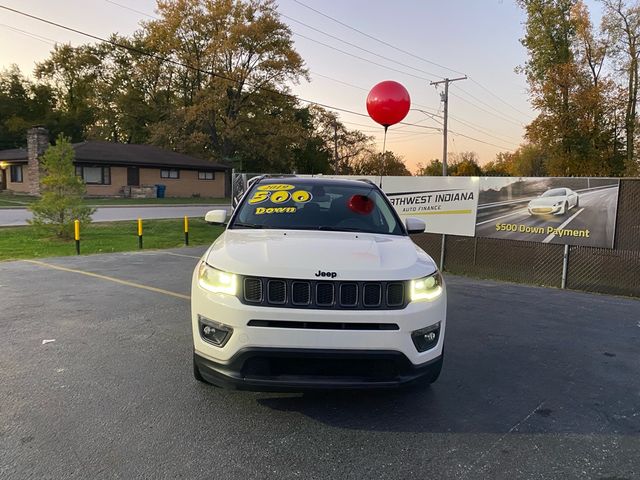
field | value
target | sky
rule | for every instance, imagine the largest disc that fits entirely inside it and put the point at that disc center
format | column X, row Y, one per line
column 478, row 38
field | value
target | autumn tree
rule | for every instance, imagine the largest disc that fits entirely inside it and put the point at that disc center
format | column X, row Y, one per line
column 502, row 166
column 431, row 169
column 464, row 164
column 621, row 21
column 23, row 104
column 71, row 72
column 564, row 72
column 380, row 164
column 239, row 53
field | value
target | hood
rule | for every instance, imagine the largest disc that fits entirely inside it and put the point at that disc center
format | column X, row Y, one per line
column 302, row 254
column 546, row 201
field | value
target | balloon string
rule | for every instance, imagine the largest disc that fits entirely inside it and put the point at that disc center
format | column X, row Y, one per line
column 384, row 150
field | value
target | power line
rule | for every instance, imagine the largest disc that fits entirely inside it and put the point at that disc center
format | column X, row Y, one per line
column 359, row 57
column 470, row 125
column 131, row 9
column 357, row 46
column 376, row 39
column 485, row 110
column 490, row 106
column 29, row 34
column 480, row 141
column 498, row 97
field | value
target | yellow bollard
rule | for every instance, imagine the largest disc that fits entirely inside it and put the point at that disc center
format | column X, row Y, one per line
column 140, row 233
column 186, row 230
column 76, row 235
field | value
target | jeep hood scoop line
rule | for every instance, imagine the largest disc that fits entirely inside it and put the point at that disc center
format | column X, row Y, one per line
column 302, row 254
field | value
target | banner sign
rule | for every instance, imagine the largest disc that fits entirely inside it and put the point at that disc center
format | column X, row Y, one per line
column 446, row 204
column 573, row 211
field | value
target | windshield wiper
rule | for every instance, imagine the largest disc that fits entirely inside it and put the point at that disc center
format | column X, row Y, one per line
column 247, row 225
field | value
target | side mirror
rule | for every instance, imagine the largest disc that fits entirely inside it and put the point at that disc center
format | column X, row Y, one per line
column 217, row 217
column 415, row 225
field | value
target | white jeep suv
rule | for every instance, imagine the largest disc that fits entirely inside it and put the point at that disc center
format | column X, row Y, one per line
column 315, row 283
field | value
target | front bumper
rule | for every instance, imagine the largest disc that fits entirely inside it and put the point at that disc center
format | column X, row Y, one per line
column 272, row 369
column 268, row 329
column 553, row 210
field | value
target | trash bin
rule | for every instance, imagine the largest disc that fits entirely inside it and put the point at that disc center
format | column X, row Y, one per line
column 160, row 190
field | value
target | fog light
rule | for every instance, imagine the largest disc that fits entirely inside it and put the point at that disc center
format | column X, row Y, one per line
column 214, row 332
column 426, row 338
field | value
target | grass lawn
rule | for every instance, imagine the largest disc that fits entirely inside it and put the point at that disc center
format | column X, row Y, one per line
column 11, row 200
column 26, row 242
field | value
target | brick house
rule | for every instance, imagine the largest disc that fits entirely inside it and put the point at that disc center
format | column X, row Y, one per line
column 117, row 169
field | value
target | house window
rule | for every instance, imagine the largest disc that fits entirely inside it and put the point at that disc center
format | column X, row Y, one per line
column 94, row 175
column 170, row 173
column 206, row 176
column 16, row 173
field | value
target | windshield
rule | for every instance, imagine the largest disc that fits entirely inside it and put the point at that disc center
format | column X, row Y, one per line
column 299, row 205
column 555, row 192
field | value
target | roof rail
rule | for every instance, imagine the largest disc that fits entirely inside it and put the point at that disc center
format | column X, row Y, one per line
column 269, row 175
column 366, row 180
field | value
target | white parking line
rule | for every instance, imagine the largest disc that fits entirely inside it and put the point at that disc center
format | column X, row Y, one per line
column 110, row 279
column 169, row 253
column 550, row 237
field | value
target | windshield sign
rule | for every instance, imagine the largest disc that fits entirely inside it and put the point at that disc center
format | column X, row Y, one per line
column 314, row 206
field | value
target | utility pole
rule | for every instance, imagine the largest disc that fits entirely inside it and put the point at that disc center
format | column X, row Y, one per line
column 335, row 147
column 444, row 97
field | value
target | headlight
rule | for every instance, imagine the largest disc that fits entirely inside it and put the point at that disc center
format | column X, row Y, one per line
column 426, row 288
column 217, row 281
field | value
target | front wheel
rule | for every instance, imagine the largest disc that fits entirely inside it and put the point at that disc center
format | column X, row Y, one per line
column 565, row 208
column 577, row 203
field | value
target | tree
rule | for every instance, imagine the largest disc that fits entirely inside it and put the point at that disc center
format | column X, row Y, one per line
column 529, row 161
column 72, row 72
column 62, row 191
column 502, row 166
column 22, row 105
column 465, row 164
column 622, row 22
column 564, row 75
column 250, row 52
column 431, row 169
column 381, row 164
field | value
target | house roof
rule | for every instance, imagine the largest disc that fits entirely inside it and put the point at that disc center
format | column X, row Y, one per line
column 14, row 154
column 109, row 153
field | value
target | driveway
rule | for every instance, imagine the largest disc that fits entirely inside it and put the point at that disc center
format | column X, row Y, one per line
column 19, row 216
column 537, row 383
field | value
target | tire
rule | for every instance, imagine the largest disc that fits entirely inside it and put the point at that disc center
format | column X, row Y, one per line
column 577, row 203
column 565, row 209
column 196, row 372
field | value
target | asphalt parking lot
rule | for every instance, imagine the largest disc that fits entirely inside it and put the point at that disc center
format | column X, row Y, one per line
column 537, row 383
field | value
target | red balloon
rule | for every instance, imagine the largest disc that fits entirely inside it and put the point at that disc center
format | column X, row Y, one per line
column 388, row 103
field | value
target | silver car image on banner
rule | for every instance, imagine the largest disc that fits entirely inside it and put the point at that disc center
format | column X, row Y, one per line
column 573, row 211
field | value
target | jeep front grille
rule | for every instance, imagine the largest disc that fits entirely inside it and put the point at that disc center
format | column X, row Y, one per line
column 290, row 293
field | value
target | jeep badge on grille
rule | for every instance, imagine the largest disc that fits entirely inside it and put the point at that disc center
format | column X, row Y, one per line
column 326, row 274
